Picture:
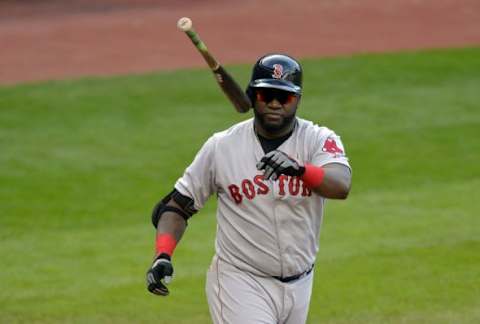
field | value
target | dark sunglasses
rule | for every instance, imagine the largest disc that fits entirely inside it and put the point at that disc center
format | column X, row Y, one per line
column 267, row 95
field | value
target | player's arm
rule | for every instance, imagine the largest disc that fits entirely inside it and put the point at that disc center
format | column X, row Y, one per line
column 336, row 181
column 170, row 217
column 332, row 180
column 172, row 223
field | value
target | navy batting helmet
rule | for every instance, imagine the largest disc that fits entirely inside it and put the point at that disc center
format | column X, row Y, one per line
column 276, row 71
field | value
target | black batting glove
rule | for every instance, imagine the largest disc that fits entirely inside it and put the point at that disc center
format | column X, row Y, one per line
column 276, row 163
column 160, row 275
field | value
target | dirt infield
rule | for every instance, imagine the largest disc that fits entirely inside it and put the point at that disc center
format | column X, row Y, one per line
column 57, row 39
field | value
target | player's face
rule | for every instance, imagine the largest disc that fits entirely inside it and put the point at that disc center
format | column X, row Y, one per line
column 275, row 109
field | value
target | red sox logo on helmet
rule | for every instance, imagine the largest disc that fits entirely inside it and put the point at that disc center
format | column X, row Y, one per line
column 277, row 71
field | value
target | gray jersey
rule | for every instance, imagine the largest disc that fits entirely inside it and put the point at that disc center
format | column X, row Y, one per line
column 269, row 228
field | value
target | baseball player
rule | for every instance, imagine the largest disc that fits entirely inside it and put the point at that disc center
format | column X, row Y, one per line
column 271, row 174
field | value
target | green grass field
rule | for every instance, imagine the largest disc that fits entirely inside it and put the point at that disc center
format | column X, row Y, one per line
column 82, row 163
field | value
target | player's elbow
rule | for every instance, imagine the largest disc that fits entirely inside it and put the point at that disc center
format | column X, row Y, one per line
column 342, row 189
column 345, row 188
column 343, row 193
column 333, row 192
column 337, row 182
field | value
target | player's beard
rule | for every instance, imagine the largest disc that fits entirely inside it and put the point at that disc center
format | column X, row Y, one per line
column 275, row 128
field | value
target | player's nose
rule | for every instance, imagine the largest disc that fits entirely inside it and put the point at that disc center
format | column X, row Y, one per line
column 274, row 104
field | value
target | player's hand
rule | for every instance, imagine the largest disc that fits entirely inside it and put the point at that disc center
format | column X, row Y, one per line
column 276, row 163
column 160, row 275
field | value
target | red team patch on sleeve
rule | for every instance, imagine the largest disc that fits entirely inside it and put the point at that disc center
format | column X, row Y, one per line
column 330, row 146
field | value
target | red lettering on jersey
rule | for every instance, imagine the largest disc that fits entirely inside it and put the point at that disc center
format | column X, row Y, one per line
column 262, row 187
column 235, row 193
column 294, row 186
column 330, row 146
column 281, row 185
column 306, row 192
column 248, row 189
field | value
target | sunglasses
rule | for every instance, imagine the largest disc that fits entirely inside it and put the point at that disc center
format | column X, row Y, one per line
column 267, row 95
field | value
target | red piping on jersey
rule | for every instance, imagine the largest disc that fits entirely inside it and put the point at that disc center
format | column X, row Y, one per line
column 219, row 289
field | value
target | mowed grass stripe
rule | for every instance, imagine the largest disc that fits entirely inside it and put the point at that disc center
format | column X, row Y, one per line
column 82, row 163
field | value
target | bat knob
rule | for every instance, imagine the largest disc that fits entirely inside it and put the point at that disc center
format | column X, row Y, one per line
column 184, row 24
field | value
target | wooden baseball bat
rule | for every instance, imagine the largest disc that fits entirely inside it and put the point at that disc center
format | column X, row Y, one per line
column 227, row 83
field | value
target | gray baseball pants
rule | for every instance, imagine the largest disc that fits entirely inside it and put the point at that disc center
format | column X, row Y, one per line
column 239, row 297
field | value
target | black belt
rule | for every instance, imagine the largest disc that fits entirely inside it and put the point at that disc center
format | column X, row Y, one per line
column 295, row 277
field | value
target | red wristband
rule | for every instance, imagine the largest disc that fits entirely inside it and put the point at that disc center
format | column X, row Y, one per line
column 166, row 243
column 313, row 176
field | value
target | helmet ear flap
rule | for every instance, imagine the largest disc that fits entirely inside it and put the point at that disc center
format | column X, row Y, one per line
column 251, row 95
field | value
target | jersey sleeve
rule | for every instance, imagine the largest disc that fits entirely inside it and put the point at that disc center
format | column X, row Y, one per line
column 198, row 180
column 329, row 149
